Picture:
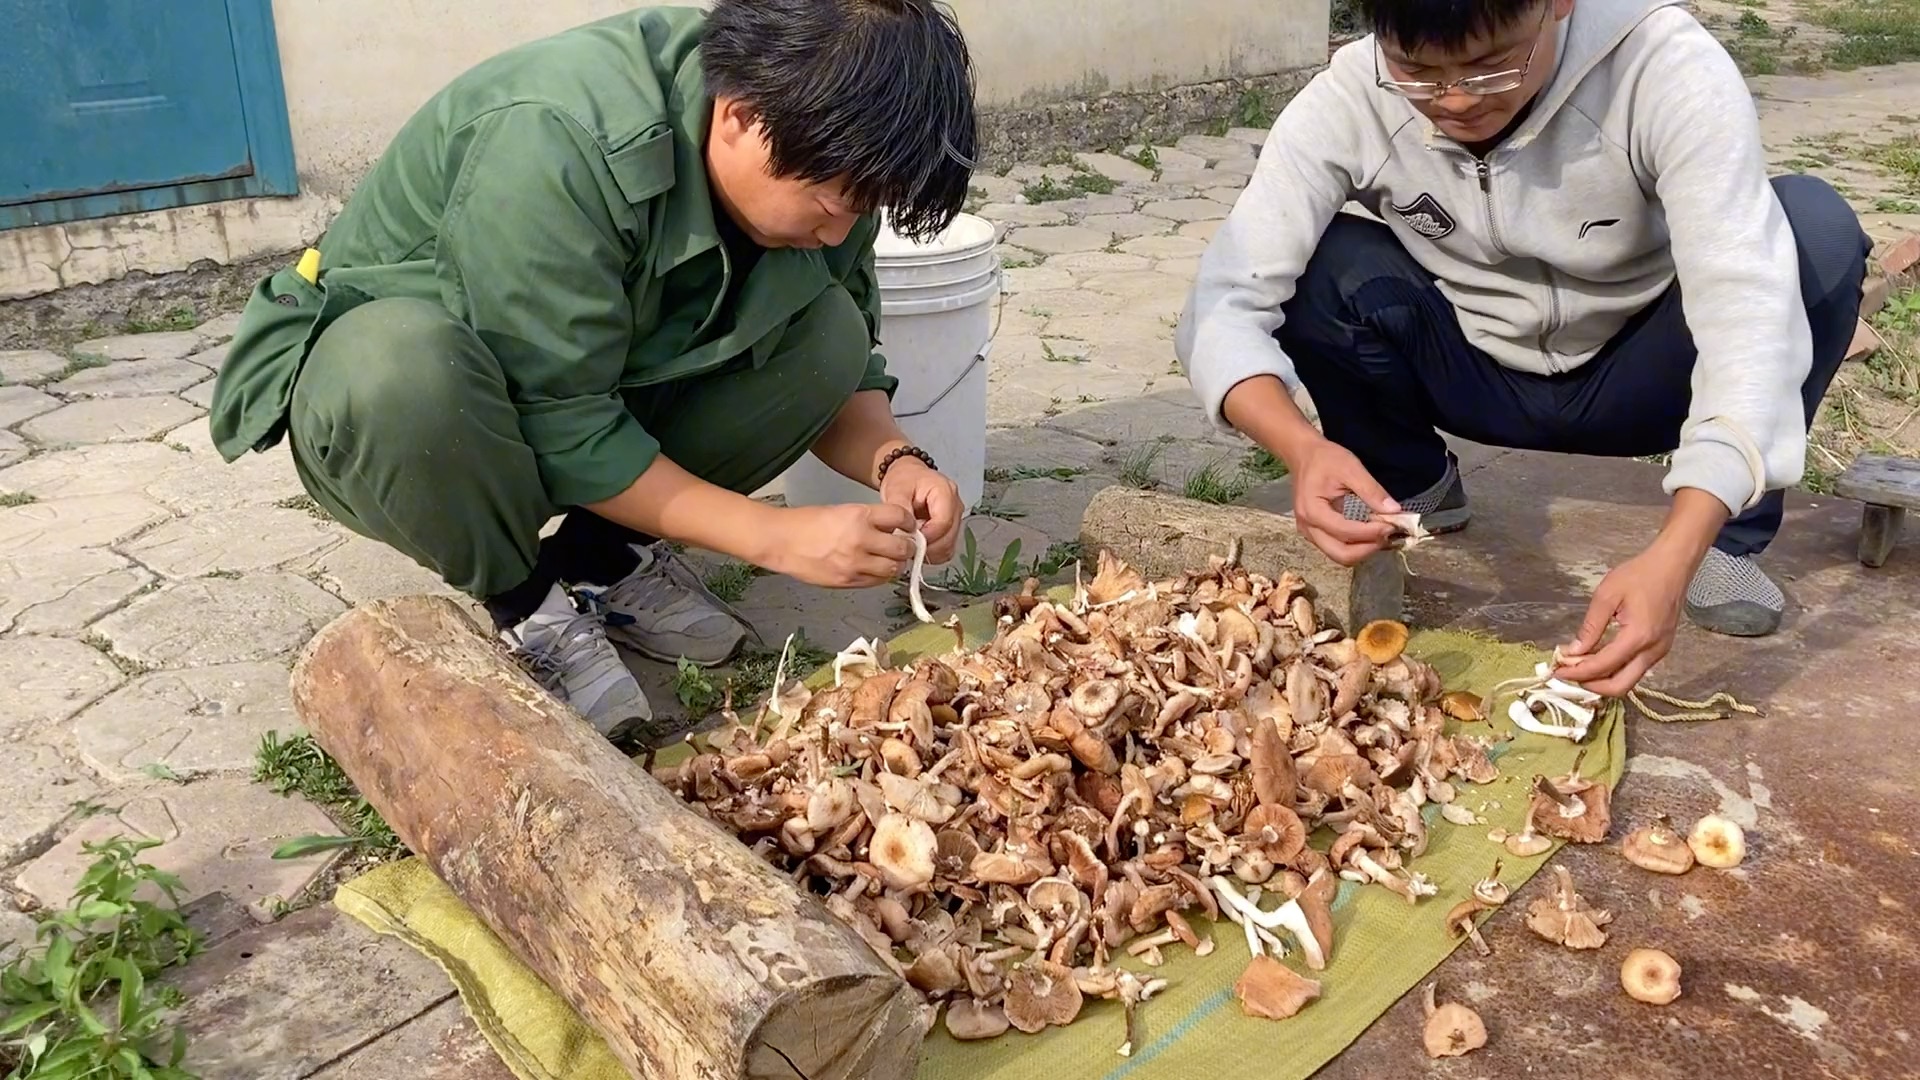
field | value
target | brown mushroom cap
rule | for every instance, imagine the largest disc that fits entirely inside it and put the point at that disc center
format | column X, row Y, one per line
column 1651, row 976
column 1452, row 1029
column 1382, row 640
column 1589, row 826
column 903, row 849
column 968, row 1019
column 1564, row 917
column 1042, row 993
column 1463, row 706
column 1289, row 833
column 1659, row 849
column 935, row 972
column 1271, row 990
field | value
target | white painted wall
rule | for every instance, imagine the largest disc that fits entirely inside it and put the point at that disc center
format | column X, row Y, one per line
column 356, row 69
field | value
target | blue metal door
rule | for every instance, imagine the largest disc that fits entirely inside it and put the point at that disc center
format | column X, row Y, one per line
column 110, row 106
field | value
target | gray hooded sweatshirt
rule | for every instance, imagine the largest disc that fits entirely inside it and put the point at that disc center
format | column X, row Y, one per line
column 1640, row 162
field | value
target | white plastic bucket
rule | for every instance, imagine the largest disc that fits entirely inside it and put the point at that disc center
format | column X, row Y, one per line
column 936, row 319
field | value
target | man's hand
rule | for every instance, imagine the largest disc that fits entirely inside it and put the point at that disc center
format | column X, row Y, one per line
column 1324, row 474
column 1642, row 596
column 931, row 498
column 854, row 546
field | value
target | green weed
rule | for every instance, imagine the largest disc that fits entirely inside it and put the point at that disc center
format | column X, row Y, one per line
column 17, row 498
column 729, row 580
column 77, row 1004
column 298, row 765
column 1215, row 483
column 1136, row 469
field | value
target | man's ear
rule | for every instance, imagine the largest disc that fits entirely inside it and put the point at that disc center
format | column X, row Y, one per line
column 1562, row 9
column 732, row 121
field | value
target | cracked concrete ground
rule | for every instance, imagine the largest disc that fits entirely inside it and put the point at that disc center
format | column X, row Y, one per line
column 151, row 597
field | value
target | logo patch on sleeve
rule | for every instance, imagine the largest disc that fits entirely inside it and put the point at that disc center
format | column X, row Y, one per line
column 1424, row 216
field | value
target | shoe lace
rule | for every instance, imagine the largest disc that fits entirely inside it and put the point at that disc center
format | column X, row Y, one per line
column 566, row 646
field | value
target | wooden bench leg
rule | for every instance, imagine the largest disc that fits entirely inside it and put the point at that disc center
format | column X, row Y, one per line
column 1879, row 531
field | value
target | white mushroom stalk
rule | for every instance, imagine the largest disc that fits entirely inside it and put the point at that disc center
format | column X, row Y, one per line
column 916, row 579
column 1548, row 706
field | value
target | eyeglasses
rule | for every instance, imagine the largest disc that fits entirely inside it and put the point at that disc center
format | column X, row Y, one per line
column 1493, row 82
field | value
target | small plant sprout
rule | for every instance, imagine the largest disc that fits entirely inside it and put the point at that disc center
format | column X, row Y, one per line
column 1651, row 976
column 1718, row 842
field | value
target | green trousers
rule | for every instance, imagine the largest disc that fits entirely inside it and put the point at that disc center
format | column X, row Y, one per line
column 402, row 429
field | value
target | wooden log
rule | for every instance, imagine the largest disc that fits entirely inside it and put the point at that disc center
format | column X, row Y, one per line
column 1164, row 535
column 694, row 958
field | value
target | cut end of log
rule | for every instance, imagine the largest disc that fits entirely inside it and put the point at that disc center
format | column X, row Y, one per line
column 787, row 1044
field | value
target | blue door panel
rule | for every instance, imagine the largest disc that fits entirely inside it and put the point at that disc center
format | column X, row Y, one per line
column 115, row 95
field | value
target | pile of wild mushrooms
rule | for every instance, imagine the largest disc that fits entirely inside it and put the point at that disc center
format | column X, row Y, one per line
column 1004, row 824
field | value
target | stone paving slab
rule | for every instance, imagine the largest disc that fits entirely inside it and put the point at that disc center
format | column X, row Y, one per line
column 62, row 591
column 220, row 620
column 196, row 722
column 360, row 570
column 218, row 835
column 1012, row 449
column 19, row 403
column 219, row 330
column 45, row 680
column 284, row 1001
column 12, row 449
column 133, row 378
column 117, row 420
column 43, row 790
column 443, row 1044
column 65, row 524
column 1115, row 167
column 167, row 345
column 30, row 365
column 204, row 544
column 91, row 471
column 16, row 930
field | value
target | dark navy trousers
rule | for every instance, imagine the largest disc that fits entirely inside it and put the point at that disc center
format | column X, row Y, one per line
column 1381, row 351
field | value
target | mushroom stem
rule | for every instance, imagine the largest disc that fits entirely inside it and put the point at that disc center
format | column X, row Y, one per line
column 916, row 579
column 1571, row 805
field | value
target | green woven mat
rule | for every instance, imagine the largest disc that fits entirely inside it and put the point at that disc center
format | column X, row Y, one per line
column 1383, row 946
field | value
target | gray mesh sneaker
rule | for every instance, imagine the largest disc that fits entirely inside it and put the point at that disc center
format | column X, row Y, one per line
column 1442, row 507
column 663, row 611
column 567, row 652
column 1731, row 595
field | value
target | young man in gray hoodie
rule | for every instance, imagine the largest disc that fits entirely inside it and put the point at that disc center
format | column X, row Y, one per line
column 1582, row 252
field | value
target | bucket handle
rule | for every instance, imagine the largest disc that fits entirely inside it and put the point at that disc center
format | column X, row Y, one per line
column 979, row 358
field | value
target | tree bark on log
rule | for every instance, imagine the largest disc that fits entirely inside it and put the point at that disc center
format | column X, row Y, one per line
column 1164, row 535
column 693, row 957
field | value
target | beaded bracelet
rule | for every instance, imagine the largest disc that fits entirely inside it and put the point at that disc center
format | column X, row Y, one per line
column 896, row 454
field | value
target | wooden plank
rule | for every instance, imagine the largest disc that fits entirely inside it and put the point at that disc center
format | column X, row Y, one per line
column 1879, row 532
column 1882, row 480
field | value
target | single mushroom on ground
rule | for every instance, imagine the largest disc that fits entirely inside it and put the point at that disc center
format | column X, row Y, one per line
column 1452, row 1029
column 1565, row 918
column 1718, row 842
column 1463, row 705
column 1572, row 807
column 1526, row 842
column 1658, row 847
column 1460, row 922
column 1651, row 976
column 1270, row 990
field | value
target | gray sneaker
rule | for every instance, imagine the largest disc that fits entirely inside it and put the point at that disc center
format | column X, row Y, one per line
column 1731, row 595
column 567, row 652
column 665, row 612
column 1442, row 507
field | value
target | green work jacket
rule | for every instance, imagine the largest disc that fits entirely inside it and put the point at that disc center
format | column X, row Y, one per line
column 555, row 199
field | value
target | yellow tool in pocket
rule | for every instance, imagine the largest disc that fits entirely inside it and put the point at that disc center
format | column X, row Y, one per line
column 309, row 266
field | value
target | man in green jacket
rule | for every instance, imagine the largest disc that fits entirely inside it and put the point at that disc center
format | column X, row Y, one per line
column 624, row 274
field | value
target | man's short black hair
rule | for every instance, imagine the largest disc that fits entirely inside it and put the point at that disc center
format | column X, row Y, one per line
column 1441, row 24
column 879, row 92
